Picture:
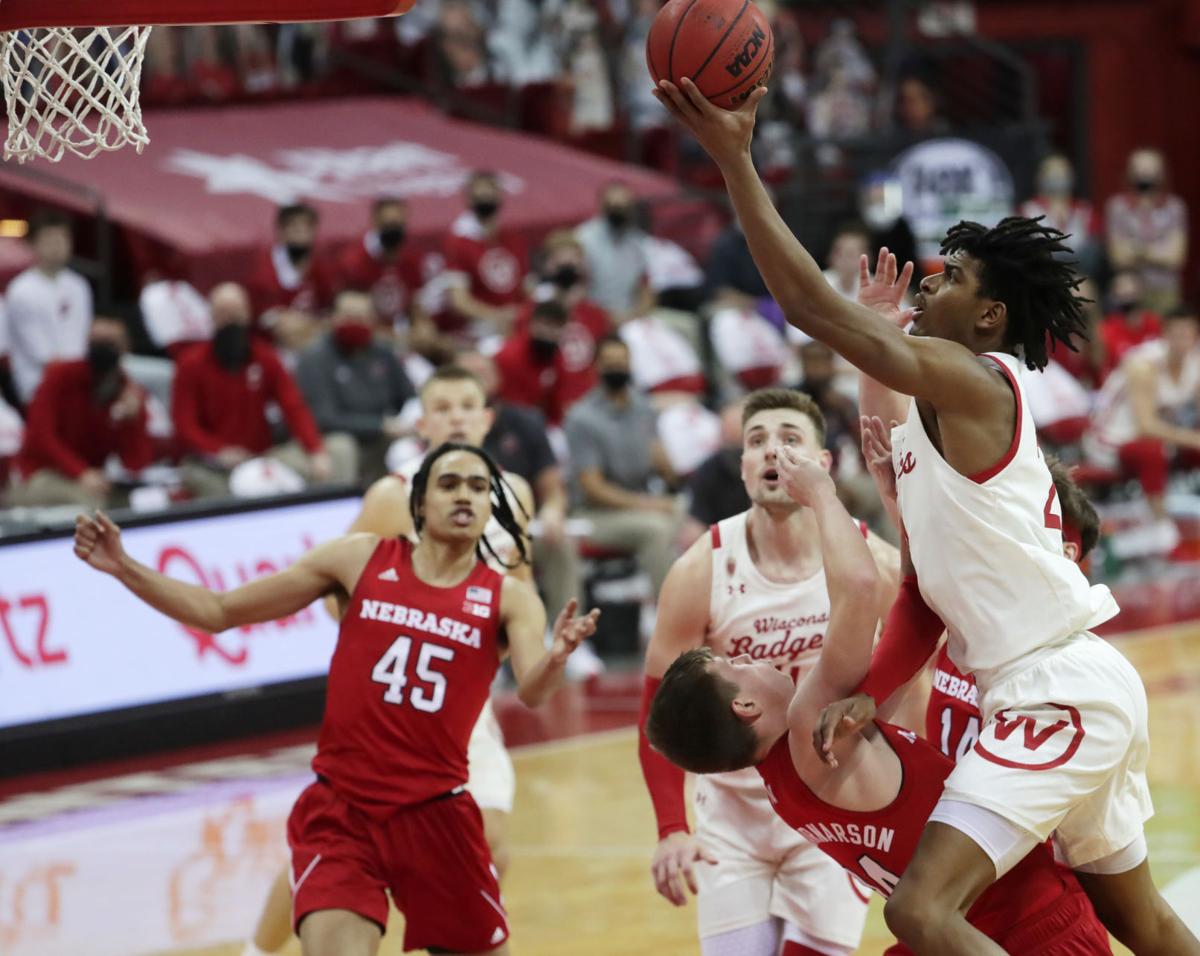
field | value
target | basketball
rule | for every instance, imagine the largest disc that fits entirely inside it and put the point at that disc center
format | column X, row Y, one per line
column 725, row 47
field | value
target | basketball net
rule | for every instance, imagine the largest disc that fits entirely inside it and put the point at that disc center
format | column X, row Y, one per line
column 72, row 90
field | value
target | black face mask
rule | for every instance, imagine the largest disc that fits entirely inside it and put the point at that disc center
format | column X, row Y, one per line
column 231, row 346
column 485, row 208
column 103, row 357
column 618, row 217
column 566, row 276
column 391, row 237
column 1145, row 185
column 615, row 381
column 297, row 252
column 543, row 349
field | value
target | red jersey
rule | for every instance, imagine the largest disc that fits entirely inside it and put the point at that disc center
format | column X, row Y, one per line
column 277, row 284
column 391, row 283
column 587, row 324
column 493, row 268
column 952, row 718
column 877, row 846
column 526, row 379
column 410, row 674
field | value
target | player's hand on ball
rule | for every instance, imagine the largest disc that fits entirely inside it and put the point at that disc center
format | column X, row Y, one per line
column 883, row 292
column 724, row 134
column 570, row 631
column 98, row 542
column 803, row 479
column 840, row 719
column 877, row 452
column 674, row 865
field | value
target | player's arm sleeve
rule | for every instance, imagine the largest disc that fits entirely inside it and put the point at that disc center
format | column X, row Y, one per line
column 663, row 779
column 910, row 635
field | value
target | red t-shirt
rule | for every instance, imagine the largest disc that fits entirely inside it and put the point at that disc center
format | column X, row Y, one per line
column 214, row 408
column 1119, row 335
column 276, row 284
column 493, row 268
column 525, row 380
column 410, row 674
column 877, row 846
column 67, row 431
column 392, row 283
column 586, row 325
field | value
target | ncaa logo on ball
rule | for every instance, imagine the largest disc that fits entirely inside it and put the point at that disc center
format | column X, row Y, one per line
column 744, row 57
column 1045, row 736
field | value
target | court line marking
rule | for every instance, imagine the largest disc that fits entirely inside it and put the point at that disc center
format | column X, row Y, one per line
column 595, row 738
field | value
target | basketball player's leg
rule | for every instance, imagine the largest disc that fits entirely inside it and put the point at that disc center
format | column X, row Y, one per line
column 492, row 784
column 1131, row 908
column 495, row 831
column 274, row 927
column 821, row 908
column 338, row 933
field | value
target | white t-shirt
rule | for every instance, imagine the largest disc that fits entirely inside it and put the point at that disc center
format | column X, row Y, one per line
column 174, row 312
column 48, row 318
column 1114, row 423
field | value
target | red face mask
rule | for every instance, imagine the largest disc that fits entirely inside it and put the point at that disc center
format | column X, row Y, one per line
column 352, row 336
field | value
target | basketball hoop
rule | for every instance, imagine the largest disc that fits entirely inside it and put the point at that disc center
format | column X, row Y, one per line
column 74, row 88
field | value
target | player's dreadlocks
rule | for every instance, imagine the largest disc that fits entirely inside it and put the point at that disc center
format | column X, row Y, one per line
column 1018, row 265
column 502, row 496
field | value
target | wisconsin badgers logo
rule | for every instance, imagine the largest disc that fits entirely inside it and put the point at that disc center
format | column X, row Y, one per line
column 744, row 57
column 1041, row 738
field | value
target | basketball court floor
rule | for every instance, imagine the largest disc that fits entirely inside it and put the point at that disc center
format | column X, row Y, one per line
column 176, row 859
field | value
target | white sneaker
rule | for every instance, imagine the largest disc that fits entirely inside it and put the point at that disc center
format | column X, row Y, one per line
column 584, row 663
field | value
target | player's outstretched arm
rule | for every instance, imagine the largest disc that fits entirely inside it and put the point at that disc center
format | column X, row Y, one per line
column 939, row 371
column 335, row 563
column 539, row 671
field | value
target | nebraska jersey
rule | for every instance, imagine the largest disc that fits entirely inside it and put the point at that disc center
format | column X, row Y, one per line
column 877, row 846
column 952, row 717
column 780, row 622
column 988, row 548
column 410, row 674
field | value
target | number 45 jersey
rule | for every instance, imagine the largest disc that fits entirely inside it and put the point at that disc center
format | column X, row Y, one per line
column 411, row 672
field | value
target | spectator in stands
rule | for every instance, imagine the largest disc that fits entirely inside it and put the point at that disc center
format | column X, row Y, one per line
column 1128, row 323
column 732, row 276
column 1146, row 229
column 530, row 363
column 1056, row 201
column 881, row 205
column 174, row 314
column 390, row 269
column 918, row 112
column 354, row 384
column 518, row 442
column 616, row 254
column 1145, row 418
column 850, row 243
column 620, row 470
column 526, row 41
column 485, row 266
column 637, row 101
column 82, row 412
column 291, row 285
column 8, row 388
column 48, row 306
column 715, row 491
column 219, row 407
column 462, row 46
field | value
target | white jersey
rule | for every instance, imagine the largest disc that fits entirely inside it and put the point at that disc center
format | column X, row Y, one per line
column 783, row 623
column 988, row 549
column 500, row 540
column 1113, row 422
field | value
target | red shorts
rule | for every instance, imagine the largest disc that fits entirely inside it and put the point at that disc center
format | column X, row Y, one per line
column 432, row 857
column 1069, row 927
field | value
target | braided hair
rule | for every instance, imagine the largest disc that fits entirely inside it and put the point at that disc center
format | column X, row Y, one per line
column 1021, row 264
column 501, row 493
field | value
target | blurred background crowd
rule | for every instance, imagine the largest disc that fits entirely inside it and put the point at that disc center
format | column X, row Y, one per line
column 602, row 360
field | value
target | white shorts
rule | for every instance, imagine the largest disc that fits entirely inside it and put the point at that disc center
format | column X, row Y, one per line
column 492, row 781
column 1063, row 750
column 766, row 869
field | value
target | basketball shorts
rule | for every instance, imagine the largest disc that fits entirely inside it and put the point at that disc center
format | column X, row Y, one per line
column 766, row 869
column 492, row 781
column 1063, row 750
column 432, row 857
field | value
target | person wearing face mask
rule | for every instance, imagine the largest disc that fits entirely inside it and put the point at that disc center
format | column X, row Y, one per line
column 291, row 283
column 354, row 383
column 1056, row 201
column 1146, row 229
column 485, row 266
column 219, row 407
column 390, row 268
column 615, row 247
column 1128, row 323
column 48, row 306
column 530, row 363
column 620, row 471
column 83, row 412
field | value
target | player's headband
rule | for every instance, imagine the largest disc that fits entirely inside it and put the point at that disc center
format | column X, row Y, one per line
column 1071, row 534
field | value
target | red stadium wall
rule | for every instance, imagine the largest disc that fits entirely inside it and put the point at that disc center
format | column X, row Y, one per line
column 1143, row 68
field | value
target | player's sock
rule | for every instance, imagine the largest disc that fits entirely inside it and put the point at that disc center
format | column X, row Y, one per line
column 761, row 939
column 251, row 950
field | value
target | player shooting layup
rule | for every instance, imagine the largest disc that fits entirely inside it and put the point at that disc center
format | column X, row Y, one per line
column 425, row 629
column 984, row 532
column 758, row 881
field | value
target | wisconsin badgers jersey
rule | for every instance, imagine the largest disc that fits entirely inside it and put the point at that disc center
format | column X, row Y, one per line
column 877, row 846
column 411, row 672
column 988, row 548
column 952, row 717
column 783, row 623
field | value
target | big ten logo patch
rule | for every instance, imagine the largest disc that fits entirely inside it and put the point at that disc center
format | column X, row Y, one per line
column 237, row 848
column 25, row 629
column 231, row 646
column 1041, row 737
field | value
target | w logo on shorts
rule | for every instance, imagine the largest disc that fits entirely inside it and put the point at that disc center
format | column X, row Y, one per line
column 1042, row 737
